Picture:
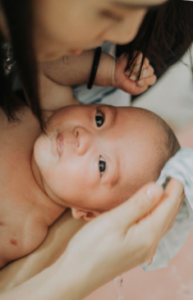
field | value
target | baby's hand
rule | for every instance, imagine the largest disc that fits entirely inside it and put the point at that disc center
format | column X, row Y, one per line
column 131, row 84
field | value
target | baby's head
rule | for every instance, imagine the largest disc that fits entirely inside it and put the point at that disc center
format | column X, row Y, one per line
column 94, row 157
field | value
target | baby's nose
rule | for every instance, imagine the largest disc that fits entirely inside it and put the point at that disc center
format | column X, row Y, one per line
column 84, row 139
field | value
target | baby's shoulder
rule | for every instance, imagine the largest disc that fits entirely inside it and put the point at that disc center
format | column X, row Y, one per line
column 22, row 229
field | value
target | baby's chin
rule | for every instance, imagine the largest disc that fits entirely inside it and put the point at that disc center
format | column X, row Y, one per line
column 41, row 151
column 38, row 149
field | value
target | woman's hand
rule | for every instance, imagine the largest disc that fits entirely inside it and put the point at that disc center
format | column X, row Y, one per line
column 113, row 243
column 127, row 236
column 128, row 80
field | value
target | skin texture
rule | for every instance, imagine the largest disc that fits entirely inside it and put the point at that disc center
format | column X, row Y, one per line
column 69, row 154
column 44, row 256
column 57, row 77
column 72, row 178
column 90, row 22
column 26, row 210
column 50, row 283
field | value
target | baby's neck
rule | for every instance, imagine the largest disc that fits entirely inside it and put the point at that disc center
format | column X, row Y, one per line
column 43, row 186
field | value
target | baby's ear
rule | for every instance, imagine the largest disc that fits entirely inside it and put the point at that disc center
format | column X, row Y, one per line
column 81, row 214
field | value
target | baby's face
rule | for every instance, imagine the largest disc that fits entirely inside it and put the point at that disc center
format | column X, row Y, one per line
column 93, row 157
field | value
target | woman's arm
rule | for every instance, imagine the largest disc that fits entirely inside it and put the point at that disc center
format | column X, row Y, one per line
column 57, row 77
column 70, row 70
column 44, row 256
column 73, row 70
column 111, row 244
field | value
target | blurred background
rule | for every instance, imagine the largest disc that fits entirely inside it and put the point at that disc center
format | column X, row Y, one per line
column 172, row 99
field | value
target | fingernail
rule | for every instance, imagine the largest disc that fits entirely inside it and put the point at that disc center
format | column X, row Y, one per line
column 139, row 58
column 140, row 83
column 133, row 77
column 153, row 191
column 145, row 73
column 127, row 73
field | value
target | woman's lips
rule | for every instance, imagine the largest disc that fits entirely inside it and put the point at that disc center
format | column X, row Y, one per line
column 59, row 144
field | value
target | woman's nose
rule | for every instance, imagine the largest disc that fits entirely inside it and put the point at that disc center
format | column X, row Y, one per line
column 84, row 140
column 126, row 30
column 117, row 37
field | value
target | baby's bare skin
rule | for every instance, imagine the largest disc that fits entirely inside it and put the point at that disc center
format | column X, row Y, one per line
column 26, row 211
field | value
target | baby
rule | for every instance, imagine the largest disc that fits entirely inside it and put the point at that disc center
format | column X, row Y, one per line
column 93, row 158
column 90, row 158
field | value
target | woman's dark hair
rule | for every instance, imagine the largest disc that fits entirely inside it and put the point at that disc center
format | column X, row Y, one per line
column 19, row 19
column 164, row 36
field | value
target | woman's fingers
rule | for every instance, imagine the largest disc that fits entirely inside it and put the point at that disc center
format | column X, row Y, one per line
column 142, row 85
column 175, row 192
column 136, row 68
column 128, row 235
column 175, row 188
column 133, row 85
column 166, row 211
column 145, row 73
column 155, row 225
column 147, row 81
column 133, row 72
column 137, row 207
column 118, row 235
column 147, row 77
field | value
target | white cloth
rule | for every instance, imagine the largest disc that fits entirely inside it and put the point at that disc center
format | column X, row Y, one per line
column 179, row 167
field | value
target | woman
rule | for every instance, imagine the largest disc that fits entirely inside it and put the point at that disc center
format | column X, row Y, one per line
column 49, row 39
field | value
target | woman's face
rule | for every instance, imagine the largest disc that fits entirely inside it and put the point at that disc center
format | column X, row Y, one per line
column 68, row 27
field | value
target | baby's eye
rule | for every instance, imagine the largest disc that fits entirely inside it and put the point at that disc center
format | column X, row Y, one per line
column 102, row 165
column 99, row 118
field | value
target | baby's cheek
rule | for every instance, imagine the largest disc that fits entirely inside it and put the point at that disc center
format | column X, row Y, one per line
column 47, row 175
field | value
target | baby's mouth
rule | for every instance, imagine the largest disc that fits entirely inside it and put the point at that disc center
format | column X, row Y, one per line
column 59, row 144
